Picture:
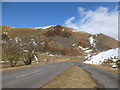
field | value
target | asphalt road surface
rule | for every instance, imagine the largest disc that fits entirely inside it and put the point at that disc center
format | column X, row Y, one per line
column 33, row 77
column 36, row 77
column 103, row 78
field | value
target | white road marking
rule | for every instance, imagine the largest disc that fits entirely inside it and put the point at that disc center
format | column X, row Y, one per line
column 27, row 74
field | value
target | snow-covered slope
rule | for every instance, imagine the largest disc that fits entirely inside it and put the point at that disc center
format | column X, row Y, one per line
column 101, row 57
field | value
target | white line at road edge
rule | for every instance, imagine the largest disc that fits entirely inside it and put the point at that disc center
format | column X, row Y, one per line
column 27, row 74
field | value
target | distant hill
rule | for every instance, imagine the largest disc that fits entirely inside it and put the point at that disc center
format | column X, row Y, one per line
column 59, row 40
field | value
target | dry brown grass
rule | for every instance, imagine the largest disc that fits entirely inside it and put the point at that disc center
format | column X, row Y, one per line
column 74, row 77
column 59, row 58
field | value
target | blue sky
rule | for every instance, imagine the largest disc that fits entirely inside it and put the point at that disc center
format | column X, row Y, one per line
column 91, row 17
column 26, row 14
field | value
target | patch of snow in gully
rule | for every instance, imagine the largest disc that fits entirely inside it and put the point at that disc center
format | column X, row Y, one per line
column 92, row 41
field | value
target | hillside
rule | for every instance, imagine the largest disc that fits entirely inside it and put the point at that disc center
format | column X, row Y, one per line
column 59, row 40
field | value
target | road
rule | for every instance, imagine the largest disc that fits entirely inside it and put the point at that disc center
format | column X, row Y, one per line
column 33, row 77
column 36, row 77
column 103, row 78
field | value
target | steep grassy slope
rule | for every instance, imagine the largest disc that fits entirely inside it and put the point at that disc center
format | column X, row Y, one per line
column 105, row 42
column 59, row 39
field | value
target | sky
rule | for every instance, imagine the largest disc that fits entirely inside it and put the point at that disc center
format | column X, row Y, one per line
column 91, row 17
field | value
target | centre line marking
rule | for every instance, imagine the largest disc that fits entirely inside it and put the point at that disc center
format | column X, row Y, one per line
column 27, row 74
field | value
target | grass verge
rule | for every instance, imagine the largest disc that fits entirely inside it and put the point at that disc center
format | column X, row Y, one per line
column 73, row 77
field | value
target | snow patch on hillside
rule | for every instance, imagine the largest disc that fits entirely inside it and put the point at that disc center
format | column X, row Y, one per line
column 46, row 27
column 74, row 30
column 74, row 44
column 92, row 41
column 101, row 57
column 88, row 51
column 82, row 48
column 36, row 58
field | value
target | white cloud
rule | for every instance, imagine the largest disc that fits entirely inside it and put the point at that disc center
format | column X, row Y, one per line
column 69, row 21
column 70, row 24
column 81, row 11
column 101, row 20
